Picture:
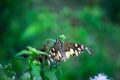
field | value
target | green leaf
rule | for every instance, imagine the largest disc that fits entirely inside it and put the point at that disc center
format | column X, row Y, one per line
column 35, row 51
column 22, row 53
column 3, row 75
column 50, row 75
column 40, row 52
column 31, row 49
column 36, row 71
column 62, row 37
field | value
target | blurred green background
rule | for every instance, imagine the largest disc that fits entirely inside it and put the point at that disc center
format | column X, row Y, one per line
column 95, row 23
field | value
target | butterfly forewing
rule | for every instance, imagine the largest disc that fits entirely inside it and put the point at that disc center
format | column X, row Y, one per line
column 73, row 49
column 55, row 53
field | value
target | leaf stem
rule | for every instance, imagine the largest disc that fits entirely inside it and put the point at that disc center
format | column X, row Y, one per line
column 31, row 76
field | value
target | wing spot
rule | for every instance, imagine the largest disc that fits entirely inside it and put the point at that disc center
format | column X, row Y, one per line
column 76, row 53
column 79, row 49
column 68, row 54
column 48, row 62
column 59, row 54
column 76, row 45
column 51, row 59
column 49, row 55
column 82, row 47
column 79, row 52
column 53, row 49
column 71, row 51
column 53, row 54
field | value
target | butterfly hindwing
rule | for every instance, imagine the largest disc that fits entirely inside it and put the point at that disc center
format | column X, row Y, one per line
column 73, row 49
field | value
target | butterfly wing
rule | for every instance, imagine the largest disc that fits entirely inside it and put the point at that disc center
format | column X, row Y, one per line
column 73, row 49
column 55, row 53
column 59, row 53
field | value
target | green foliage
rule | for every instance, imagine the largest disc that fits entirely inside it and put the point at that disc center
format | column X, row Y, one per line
column 33, row 67
column 26, row 23
column 50, row 75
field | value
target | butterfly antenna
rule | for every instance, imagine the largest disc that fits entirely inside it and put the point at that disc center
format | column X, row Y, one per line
column 53, row 33
column 88, row 50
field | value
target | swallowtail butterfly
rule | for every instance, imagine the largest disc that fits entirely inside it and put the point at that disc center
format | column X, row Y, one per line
column 61, row 51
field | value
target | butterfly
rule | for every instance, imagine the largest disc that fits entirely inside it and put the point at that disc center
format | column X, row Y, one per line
column 61, row 51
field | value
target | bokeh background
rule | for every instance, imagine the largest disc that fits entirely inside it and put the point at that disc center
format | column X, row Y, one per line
column 95, row 23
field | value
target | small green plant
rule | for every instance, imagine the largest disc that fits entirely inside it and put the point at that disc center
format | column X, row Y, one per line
column 35, row 63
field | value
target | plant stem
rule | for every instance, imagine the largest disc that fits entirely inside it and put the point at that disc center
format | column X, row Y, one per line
column 31, row 76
